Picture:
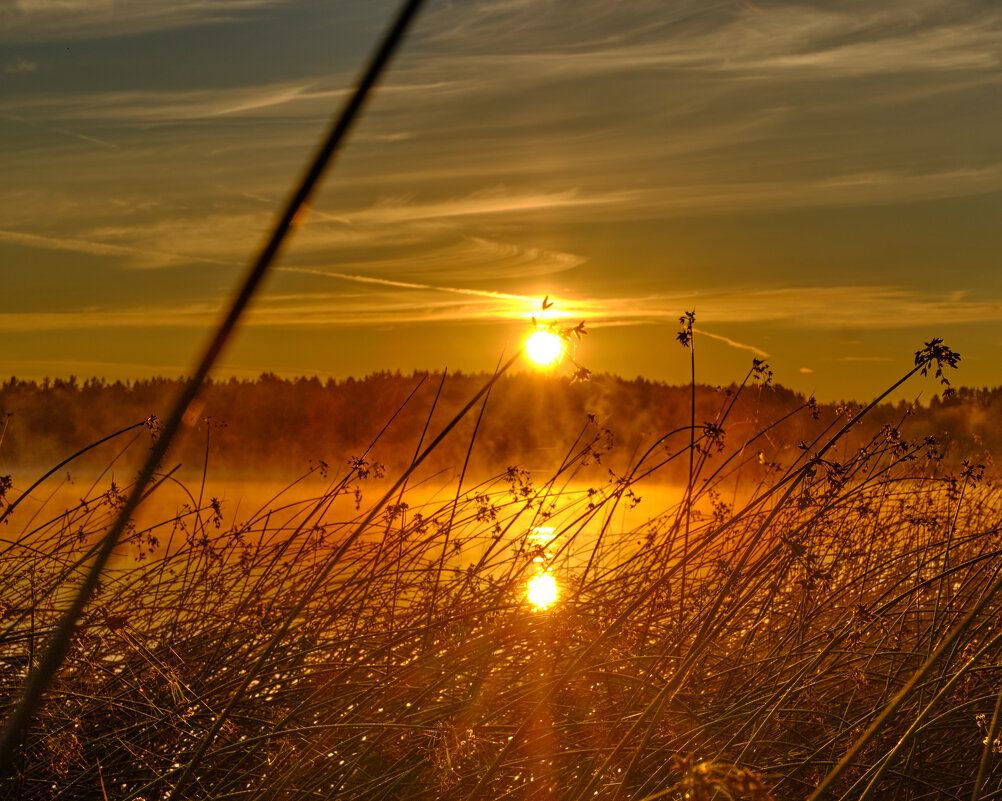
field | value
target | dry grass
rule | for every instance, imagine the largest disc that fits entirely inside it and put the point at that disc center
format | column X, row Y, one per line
column 388, row 653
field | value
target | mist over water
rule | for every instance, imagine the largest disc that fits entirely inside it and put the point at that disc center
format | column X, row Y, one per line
column 270, row 509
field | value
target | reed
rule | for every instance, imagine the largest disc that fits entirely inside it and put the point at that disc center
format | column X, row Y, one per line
column 838, row 632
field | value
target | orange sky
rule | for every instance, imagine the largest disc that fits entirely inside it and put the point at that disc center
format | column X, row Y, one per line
column 821, row 182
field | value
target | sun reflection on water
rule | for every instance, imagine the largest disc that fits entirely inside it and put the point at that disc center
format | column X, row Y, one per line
column 542, row 591
column 542, row 534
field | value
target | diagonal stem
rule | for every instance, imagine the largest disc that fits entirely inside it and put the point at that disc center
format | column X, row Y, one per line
column 58, row 645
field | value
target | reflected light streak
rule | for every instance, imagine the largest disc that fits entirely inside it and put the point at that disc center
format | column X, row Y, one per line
column 542, row 534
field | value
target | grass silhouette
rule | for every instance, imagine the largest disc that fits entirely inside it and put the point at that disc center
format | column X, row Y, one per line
column 838, row 634
column 834, row 634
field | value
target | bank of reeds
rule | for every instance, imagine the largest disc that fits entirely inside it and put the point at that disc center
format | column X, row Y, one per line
column 833, row 630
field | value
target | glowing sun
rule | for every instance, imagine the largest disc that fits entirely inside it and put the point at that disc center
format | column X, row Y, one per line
column 544, row 347
column 542, row 590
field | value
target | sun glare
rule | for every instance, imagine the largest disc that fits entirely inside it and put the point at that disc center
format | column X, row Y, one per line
column 542, row 534
column 544, row 347
column 542, row 590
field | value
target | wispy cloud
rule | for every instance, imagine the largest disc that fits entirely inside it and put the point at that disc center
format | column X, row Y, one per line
column 364, row 279
column 594, row 37
column 761, row 354
column 816, row 308
column 486, row 202
column 62, row 131
column 473, row 258
column 95, row 318
column 388, row 301
column 44, row 20
column 302, row 98
column 20, row 66
column 153, row 106
column 151, row 258
column 883, row 186
column 731, row 109
column 692, row 193
column 835, row 307
column 425, row 239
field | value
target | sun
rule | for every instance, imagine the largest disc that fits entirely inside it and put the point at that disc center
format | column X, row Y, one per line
column 544, row 347
column 542, row 590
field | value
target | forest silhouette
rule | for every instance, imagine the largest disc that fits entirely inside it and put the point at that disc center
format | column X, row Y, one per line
column 274, row 426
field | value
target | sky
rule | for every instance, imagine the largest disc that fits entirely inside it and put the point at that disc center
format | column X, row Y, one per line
column 820, row 182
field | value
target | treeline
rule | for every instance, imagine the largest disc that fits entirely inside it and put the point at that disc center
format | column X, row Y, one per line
column 274, row 426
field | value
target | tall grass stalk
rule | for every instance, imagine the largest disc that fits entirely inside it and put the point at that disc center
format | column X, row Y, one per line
column 243, row 661
column 59, row 642
column 839, row 638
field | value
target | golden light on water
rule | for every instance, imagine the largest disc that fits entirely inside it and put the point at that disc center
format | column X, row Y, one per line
column 544, row 347
column 542, row 590
column 542, row 534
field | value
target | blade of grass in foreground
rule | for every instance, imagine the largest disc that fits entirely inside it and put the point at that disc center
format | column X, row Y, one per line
column 37, row 681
